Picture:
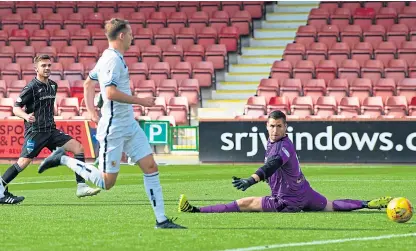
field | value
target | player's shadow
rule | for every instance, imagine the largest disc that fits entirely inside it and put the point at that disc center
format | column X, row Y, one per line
column 294, row 228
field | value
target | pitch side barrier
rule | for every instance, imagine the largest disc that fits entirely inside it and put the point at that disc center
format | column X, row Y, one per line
column 160, row 134
column 316, row 141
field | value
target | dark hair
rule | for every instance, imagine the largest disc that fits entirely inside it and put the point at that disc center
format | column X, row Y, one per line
column 277, row 114
column 114, row 26
column 41, row 57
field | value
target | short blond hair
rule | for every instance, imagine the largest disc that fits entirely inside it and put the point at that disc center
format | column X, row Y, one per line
column 41, row 57
column 114, row 26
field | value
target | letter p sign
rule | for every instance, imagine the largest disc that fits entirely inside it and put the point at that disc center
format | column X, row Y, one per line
column 157, row 132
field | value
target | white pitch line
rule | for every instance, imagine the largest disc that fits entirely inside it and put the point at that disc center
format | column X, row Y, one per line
column 323, row 242
column 41, row 182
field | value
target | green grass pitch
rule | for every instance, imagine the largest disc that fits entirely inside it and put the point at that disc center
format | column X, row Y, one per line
column 53, row 218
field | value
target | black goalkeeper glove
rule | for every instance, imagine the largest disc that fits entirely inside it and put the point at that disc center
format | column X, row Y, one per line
column 243, row 184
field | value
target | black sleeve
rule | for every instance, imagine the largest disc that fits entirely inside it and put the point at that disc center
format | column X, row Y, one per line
column 270, row 167
column 25, row 97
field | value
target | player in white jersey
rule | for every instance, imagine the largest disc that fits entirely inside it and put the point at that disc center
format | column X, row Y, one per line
column 117, row 130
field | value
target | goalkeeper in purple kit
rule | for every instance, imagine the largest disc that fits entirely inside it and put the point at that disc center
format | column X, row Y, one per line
column 290, row 191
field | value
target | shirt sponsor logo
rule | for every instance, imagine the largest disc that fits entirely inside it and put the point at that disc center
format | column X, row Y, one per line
column 47, row 97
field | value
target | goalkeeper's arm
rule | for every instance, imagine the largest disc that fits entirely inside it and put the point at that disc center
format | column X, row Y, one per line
column 262, row 173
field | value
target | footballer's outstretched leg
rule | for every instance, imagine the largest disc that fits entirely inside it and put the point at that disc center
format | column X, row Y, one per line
column 52, row 160
column 379, row 203
column 89, row 173
column 185, row 207
column 351, row 205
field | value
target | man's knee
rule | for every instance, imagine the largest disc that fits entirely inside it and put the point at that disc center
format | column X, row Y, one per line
column 78, row 148
column 148, row 164
column 109, row 180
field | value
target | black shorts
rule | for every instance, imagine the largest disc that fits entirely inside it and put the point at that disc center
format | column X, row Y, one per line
column 36, row 141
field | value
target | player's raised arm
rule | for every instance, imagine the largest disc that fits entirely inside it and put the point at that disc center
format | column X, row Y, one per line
column 263, row 173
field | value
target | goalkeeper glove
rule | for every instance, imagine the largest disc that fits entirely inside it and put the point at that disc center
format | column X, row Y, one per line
column 243, row 184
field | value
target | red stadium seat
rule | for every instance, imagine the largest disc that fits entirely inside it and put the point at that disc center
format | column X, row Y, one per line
column 349, row 107
column 352, row 35
column 372, row 106
column 290, row 88
column 281, row 70
column 178, row 107
column 302, row 106
column 256, row 106
column 326, row 106
column 314, row 88
column 384, row 88
column 167, row 88
column 189, row 88
column 268, row 88
column 407, row 88
column 204, row 72
column 181, row 71
column 396, row 106
column 361, row 88
column 278, row 103
column 337, row 88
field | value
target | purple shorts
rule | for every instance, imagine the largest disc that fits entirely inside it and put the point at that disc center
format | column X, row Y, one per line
column 312, row 202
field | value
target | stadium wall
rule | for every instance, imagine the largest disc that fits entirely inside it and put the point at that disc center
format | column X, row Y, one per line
column 316, row 141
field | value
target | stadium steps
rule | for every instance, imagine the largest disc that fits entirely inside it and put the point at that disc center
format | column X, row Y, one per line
column 266, row 46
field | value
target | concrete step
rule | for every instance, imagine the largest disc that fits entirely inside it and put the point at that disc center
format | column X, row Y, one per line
column 290, row 3
column 237, row 104
column 209, row 113
column 287, row 16
column 263, row 50
column 237, row 85
column 293, row 24
column 258, row 59
column 243, row 68
column 248, row 76
column 235, row 94
column 275, row 33
column 295, row 7
column 281, row 41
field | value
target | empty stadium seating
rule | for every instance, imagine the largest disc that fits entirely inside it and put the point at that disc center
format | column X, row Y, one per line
column 176, row 50
column 351, row 59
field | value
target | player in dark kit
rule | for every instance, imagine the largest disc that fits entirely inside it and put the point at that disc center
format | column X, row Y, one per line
column 291, row 191
column 38, row 98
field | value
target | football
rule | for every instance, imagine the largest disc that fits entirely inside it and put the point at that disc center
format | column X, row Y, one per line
column 399, row 210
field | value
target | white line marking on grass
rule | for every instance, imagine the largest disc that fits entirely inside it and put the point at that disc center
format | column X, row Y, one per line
column 323, row 242
column 40, row 182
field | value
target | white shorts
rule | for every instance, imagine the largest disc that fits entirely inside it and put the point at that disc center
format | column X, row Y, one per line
column 131, row 140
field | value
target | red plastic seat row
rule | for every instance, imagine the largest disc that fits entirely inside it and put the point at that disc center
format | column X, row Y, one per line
column 328, row 70
column 338, row 88
column 364, row 17
column 353, row 34
column 340, row 51
column 303, row 106
column 255, row 8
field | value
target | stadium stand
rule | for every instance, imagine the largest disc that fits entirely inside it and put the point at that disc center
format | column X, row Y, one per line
column 353, row 59
column 177, row 48
column 225, row 59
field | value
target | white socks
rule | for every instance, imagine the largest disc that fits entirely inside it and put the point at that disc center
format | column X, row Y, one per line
column 154, row 192
column 87, row 172
column 1, row 189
